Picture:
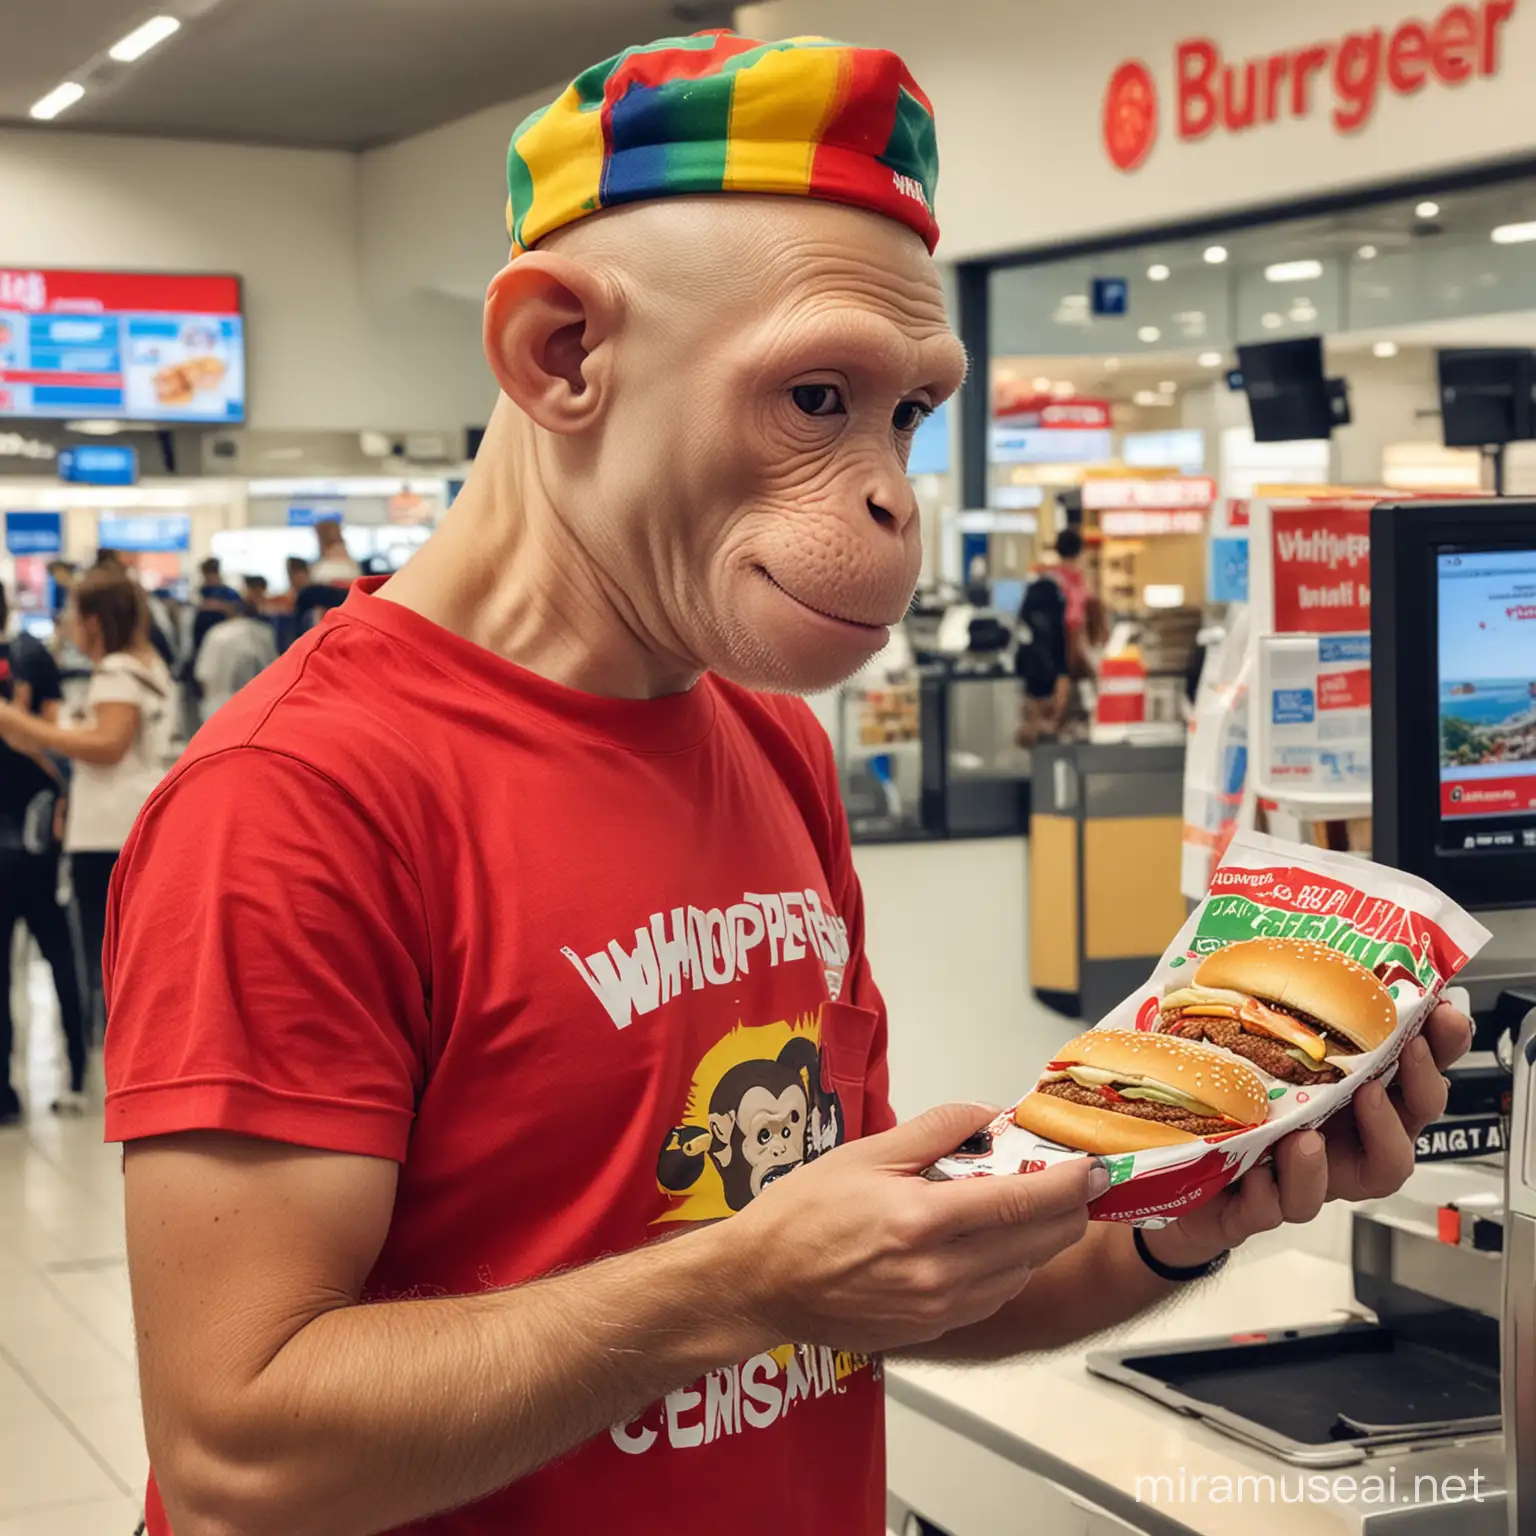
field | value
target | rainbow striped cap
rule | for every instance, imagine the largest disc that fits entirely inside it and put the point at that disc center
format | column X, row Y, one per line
column 719, row 113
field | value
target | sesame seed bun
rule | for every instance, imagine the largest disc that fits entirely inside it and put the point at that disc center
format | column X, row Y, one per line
column 1100, row 1131
column 1212, row 1077
column 1310, row 978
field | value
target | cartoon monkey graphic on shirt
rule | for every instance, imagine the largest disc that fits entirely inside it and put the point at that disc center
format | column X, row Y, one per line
column 764, row 1118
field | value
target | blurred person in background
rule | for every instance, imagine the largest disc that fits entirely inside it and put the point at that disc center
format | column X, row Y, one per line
column 119, row 743
column 299, row 575
column 334, row 567
column 235, row 653
column 32, row 793
column 212, row 585
column 256, row 593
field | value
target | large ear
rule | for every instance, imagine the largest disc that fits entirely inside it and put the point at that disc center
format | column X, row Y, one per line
column 549, row 329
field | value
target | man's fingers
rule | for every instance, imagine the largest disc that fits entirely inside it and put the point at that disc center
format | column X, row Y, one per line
column 1015, row 1199
column 1005, row 1249
column 1386, row 1150
column 917, row 1144
column 1301, row 1176
column 1449, row 1034
column 1420, row 1088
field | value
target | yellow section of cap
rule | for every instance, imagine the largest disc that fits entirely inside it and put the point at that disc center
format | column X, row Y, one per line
column 779, row 108
column 564, row 155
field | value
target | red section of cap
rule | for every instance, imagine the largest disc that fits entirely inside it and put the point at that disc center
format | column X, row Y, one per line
column 1448, row 1225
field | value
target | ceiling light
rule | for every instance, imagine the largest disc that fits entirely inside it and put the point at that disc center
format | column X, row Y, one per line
column 1042, row 385
column 1427, row 210
column 1385, row 349
column 1168, row 387
column 60, row 99
column 1158, row 273
column 1215, row 255
column 1064, row 390
column 1272, row 321
column 1151, row 397
column 1514, row 234
column 1210, row 359
column 1294, row 271
column 142, row 39
column 1111, row 365
column 1149, row 334
column 1367, row 253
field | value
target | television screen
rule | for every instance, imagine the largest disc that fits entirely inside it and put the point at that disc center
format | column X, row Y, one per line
column 1288, row 393
column 1485, row 396
column 121, row 346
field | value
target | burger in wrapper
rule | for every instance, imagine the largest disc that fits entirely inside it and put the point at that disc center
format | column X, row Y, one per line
column 1297, row 1010
column 1300, row 977
column 1116, row 1090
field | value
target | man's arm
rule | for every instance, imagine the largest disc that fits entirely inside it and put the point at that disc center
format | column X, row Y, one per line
column 277, row 1404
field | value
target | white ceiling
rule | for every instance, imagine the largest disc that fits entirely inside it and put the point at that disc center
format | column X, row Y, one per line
column 328, row 73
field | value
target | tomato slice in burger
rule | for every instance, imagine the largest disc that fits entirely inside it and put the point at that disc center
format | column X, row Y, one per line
column 1110, row 1094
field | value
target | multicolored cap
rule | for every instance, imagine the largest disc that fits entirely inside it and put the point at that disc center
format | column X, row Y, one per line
column 719, row 113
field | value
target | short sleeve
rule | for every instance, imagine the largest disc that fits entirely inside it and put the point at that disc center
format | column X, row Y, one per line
column 268, row 965
column 109, row 686
column 39, row 671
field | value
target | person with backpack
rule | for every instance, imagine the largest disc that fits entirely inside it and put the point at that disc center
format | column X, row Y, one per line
column 31, row 791
column 119, row 742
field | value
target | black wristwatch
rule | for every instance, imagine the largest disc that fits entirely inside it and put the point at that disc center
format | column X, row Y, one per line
column 1174, row 1275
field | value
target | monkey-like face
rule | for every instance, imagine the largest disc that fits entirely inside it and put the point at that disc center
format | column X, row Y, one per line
column 772, row 1131
column 743, row 485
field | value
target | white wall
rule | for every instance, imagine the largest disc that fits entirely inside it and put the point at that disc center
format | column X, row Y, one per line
column 288, row 222
column 946, row 933
column 1018, row 88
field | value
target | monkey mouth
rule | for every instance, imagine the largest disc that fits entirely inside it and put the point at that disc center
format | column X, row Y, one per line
column 778, row 1171
column 869, row 627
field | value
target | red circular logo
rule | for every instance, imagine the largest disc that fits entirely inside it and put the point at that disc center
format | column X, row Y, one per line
column 1130, row 115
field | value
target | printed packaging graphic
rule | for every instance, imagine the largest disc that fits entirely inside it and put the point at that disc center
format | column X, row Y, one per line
column 1301, row 976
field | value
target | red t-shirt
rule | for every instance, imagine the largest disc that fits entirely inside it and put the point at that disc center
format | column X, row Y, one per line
column 586, row 968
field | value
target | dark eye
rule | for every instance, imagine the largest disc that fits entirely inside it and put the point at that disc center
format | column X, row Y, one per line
column 818, row 400
column 910, row 415
column 764, row 1136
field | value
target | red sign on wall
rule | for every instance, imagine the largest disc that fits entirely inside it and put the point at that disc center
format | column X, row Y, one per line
column 1322, row 568
column 1349, row 76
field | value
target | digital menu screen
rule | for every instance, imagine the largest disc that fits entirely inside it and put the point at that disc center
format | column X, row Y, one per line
column 118, row 345
column 1487, row 697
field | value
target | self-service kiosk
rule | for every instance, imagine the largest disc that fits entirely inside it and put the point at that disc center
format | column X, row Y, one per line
column 1454, row 766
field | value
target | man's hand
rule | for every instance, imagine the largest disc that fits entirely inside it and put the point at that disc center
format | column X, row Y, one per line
column 13, row 727
column 855, row 1251
column 1363, row 1153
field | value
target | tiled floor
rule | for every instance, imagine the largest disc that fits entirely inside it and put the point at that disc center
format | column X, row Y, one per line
column 72, row 1459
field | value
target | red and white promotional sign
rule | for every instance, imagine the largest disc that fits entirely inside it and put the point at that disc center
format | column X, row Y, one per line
column 1181, row 494
column 1238, row 513
column 1345, row 76
column 1015, row 408
column 1322, row 568
column 1143, row 525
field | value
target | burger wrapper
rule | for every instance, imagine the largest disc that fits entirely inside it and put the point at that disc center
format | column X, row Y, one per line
column 1411, row 936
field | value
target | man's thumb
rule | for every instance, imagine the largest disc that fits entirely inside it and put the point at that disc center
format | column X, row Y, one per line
column 936, row 1133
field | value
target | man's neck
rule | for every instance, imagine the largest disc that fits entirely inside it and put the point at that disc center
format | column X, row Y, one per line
column 505, row 571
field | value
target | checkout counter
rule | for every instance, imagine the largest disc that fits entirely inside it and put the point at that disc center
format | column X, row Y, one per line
column 1385, row 1385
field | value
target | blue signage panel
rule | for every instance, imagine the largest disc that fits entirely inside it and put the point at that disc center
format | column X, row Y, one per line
column 34, row 533
column 1229, row 570
column 1111, row 297
column 99, row 465
column 168, row 533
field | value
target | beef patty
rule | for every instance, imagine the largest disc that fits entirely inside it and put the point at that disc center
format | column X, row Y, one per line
column 1266, row 1054
column 1140, row 1109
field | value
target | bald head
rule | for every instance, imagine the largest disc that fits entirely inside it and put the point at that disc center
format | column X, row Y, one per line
column 717, row 396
